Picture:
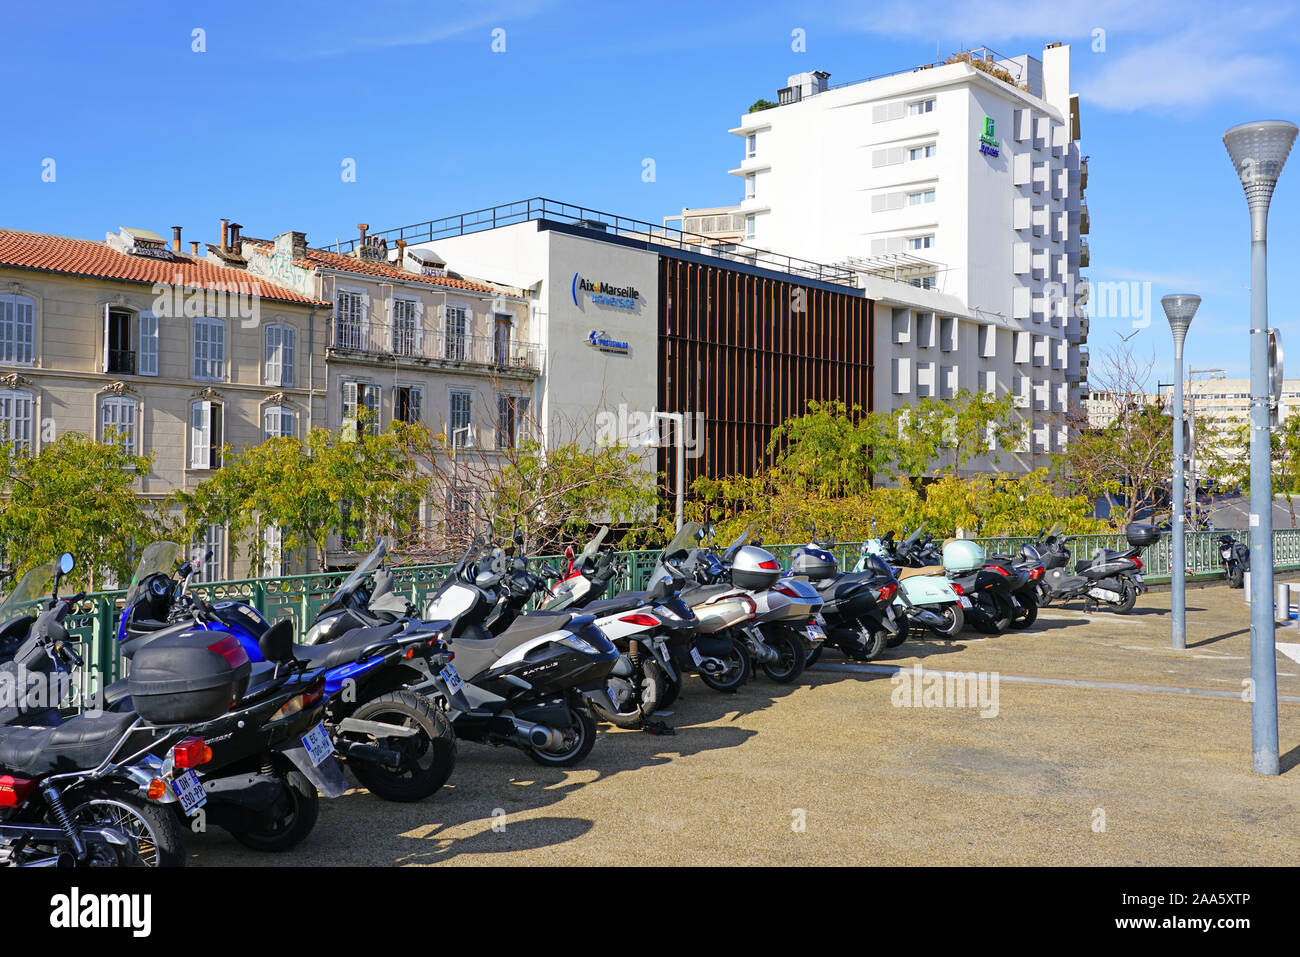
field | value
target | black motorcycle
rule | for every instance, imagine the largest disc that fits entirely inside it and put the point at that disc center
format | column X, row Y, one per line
column 1236, row 560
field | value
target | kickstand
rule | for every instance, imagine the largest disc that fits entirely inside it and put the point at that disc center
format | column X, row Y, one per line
column 657, row 727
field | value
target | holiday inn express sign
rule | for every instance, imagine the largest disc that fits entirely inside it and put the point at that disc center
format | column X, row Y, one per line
column 989, row 145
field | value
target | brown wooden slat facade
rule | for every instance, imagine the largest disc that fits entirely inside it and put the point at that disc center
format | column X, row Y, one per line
column 731, row 348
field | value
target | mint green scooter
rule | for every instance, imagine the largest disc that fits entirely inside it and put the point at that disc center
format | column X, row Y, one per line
column 926, row 597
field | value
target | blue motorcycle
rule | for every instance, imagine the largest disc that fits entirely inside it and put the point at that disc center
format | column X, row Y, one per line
column 398, row 744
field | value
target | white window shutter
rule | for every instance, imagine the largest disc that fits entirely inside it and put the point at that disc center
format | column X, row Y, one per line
column 200, row 435
column 148, row 343
column 286, row 356
column 271, row 355
column 104, row 367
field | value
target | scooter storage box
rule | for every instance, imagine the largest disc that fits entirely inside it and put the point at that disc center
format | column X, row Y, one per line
column 188, row 676
column 960, row 555
column 1139, row 533
column 755, row 569
column 813, row 564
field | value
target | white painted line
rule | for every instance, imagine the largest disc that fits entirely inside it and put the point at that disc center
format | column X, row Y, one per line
column 1058, row 682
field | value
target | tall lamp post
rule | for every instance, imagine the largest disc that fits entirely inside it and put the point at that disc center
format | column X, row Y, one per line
column 1179, row 309
column 1258, row 151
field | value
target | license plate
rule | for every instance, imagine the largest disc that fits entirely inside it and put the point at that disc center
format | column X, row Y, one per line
column 889, row 612
column 318, row 744
column 696, row 657
column 1140, row 579
column 815, row 633
column 965, row 602
column 451, row 678
column 189, row 790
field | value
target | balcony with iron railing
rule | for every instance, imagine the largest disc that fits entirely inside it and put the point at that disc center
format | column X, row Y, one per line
column 121, row 362
column 382, row 340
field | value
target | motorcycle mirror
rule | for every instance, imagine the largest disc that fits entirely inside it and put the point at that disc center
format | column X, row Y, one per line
column 66, row 563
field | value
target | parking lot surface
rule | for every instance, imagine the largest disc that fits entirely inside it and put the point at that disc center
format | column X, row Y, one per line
column 1098, row 744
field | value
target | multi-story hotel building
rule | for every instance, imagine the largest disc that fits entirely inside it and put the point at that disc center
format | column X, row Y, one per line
column 956, row 192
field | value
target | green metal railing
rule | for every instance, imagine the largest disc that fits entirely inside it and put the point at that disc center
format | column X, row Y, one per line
column 299, row 597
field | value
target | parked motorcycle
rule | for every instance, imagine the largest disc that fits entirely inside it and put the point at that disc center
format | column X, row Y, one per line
column 1236, row 560
column 396, row 742
column 991, row 587
column 857, row 607
column 1112, row 578
column 532, row 685
column 926, row 598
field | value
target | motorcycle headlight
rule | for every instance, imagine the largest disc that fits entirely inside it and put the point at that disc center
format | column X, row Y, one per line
column 579, row 644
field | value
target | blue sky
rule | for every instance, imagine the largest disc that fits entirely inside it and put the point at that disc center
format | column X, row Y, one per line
column 144, row 131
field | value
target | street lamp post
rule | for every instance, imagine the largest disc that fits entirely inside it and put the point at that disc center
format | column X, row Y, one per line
column 1179, row 309
column 1258, row 151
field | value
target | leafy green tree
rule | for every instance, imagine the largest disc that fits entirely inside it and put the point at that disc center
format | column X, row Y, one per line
column 77, row 495
column 358, row 485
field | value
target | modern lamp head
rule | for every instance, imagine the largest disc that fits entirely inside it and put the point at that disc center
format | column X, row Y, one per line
column 1180, row 308
column 1258, row 151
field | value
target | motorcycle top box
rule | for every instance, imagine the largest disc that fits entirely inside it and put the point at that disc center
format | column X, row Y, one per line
column 1141, row 534
column 754, row 568
column 960, row 555
column 188, row 676
column 813, row 563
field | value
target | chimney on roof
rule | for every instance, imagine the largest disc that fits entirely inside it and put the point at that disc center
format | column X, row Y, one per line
column 225, row 235
column 363, row 227
column 176, row 238
column 234, row 236
column 194, row 247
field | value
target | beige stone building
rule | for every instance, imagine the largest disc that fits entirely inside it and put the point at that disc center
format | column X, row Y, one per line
column 172, row 355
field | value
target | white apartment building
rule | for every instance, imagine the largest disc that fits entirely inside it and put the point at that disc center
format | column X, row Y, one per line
column 955, row 191
column 1219, row 408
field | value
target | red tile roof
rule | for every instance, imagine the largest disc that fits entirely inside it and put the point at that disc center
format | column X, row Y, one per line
column 85, row 257
column 324, row 259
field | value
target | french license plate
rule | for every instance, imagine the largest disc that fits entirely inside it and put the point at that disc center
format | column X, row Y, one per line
column 318, row 744
column 815, row 633
column 451, row 678
column 1140, row 579
column 189, row 790
column 965, row 602
column 696, row 657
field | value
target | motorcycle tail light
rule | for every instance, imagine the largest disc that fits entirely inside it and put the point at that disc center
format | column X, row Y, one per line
column 888, row 591
column 958, row 589
column 641, row 621
column 770, row 565
column 303, row 701
column 230, row 649
column 1036, row 574
column 190, row 753
column 999, row 569
column 1137, row 564
column 785, row 589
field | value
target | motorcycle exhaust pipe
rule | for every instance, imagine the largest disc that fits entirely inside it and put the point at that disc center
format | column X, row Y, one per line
column 765, row 654
column 927, row 618
column 536, row 735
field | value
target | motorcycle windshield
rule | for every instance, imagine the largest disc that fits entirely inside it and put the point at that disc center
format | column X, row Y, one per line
column 158, row 558
column 359, row 574
column 35, row 585
column 916, row 534
column 683, row 541
column 593, row 546
column 737, row 545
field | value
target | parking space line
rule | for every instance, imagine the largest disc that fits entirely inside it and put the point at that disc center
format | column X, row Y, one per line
column 1058, row 682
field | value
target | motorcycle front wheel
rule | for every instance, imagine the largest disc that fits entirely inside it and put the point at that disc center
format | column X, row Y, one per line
column 868, row 644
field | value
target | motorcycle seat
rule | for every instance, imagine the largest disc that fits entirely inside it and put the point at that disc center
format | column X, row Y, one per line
column 346, row 649
column 476, row 655
column 612, row 606
column 924, row 570
column 694, row 594
column 78, row 744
